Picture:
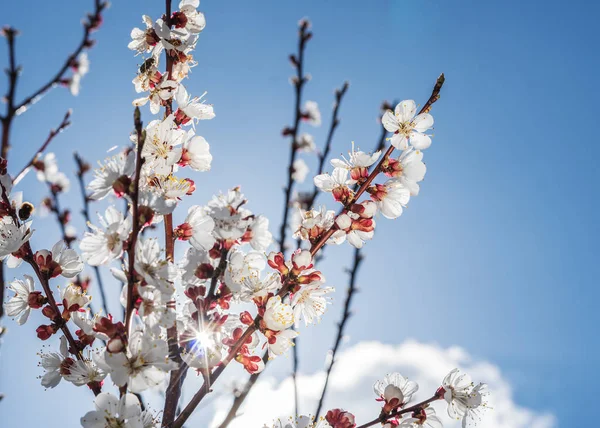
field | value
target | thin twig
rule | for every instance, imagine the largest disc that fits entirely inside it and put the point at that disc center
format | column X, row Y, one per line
column 89, row 26
column 13, row 74
column 358, row 258
column 53, row 133
column 299, row 82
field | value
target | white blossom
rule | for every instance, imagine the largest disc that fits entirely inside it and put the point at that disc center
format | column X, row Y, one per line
column 407, row 128
column 18, row 305
column 102, row 245
column 12, row 236
column 300, row 170
column 310, row 303
column 113, row 168
column 112, row 412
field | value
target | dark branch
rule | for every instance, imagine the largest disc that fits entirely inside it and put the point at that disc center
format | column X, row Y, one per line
column 358, row 258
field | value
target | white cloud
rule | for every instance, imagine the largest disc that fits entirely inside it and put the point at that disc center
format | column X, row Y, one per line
column 360, row 366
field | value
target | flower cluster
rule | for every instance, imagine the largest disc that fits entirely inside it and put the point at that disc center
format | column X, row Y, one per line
column 463, row 398
column 350, row 177
column 225, row 299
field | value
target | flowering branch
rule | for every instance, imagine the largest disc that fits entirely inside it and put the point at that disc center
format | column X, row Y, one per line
column 358, row 258
column 288, row 282
column 54, row 312
column 94, row 20
column 82, row 168
column 385, row 417
column 435, row 95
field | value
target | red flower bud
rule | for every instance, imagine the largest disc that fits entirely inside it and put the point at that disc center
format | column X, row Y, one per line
column 36, row 300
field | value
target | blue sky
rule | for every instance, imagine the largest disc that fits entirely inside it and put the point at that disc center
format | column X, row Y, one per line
column 498, row 253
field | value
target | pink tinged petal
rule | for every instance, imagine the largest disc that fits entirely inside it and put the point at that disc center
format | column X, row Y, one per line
column 390, row 122
column 420, row 141
column 423, row 122
column 405, row 110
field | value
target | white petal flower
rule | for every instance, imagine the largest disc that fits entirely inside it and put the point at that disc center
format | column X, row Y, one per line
column 68, row 260
column 162, row 150
column 12, row 236
column 144, row 366
column 195, row 21
column 241, row 267
column 191, row 109
column 155, row 270
column 391, row 198
column 56, row 364
column 336, row 183
column 102, row 245
column 113, row 168
column 278, row 315
column 310, row 302
column 464, row 398
column 413, row 170
column 82, row 372
column 424, row 419
column 284, row 340
column 253, row 286
column 155, row 310
column 300, row 170
column 260, row 236
column 202, row 226
column 358, row 164
column 74, row 298
column 18, row 305
column 406, row 127
column 47, row 167
column 196, row 154
column 305, row 143
column 144, row 40
column 314, row 223
column 112, row 412
column 395, row 390
column 312, row 113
